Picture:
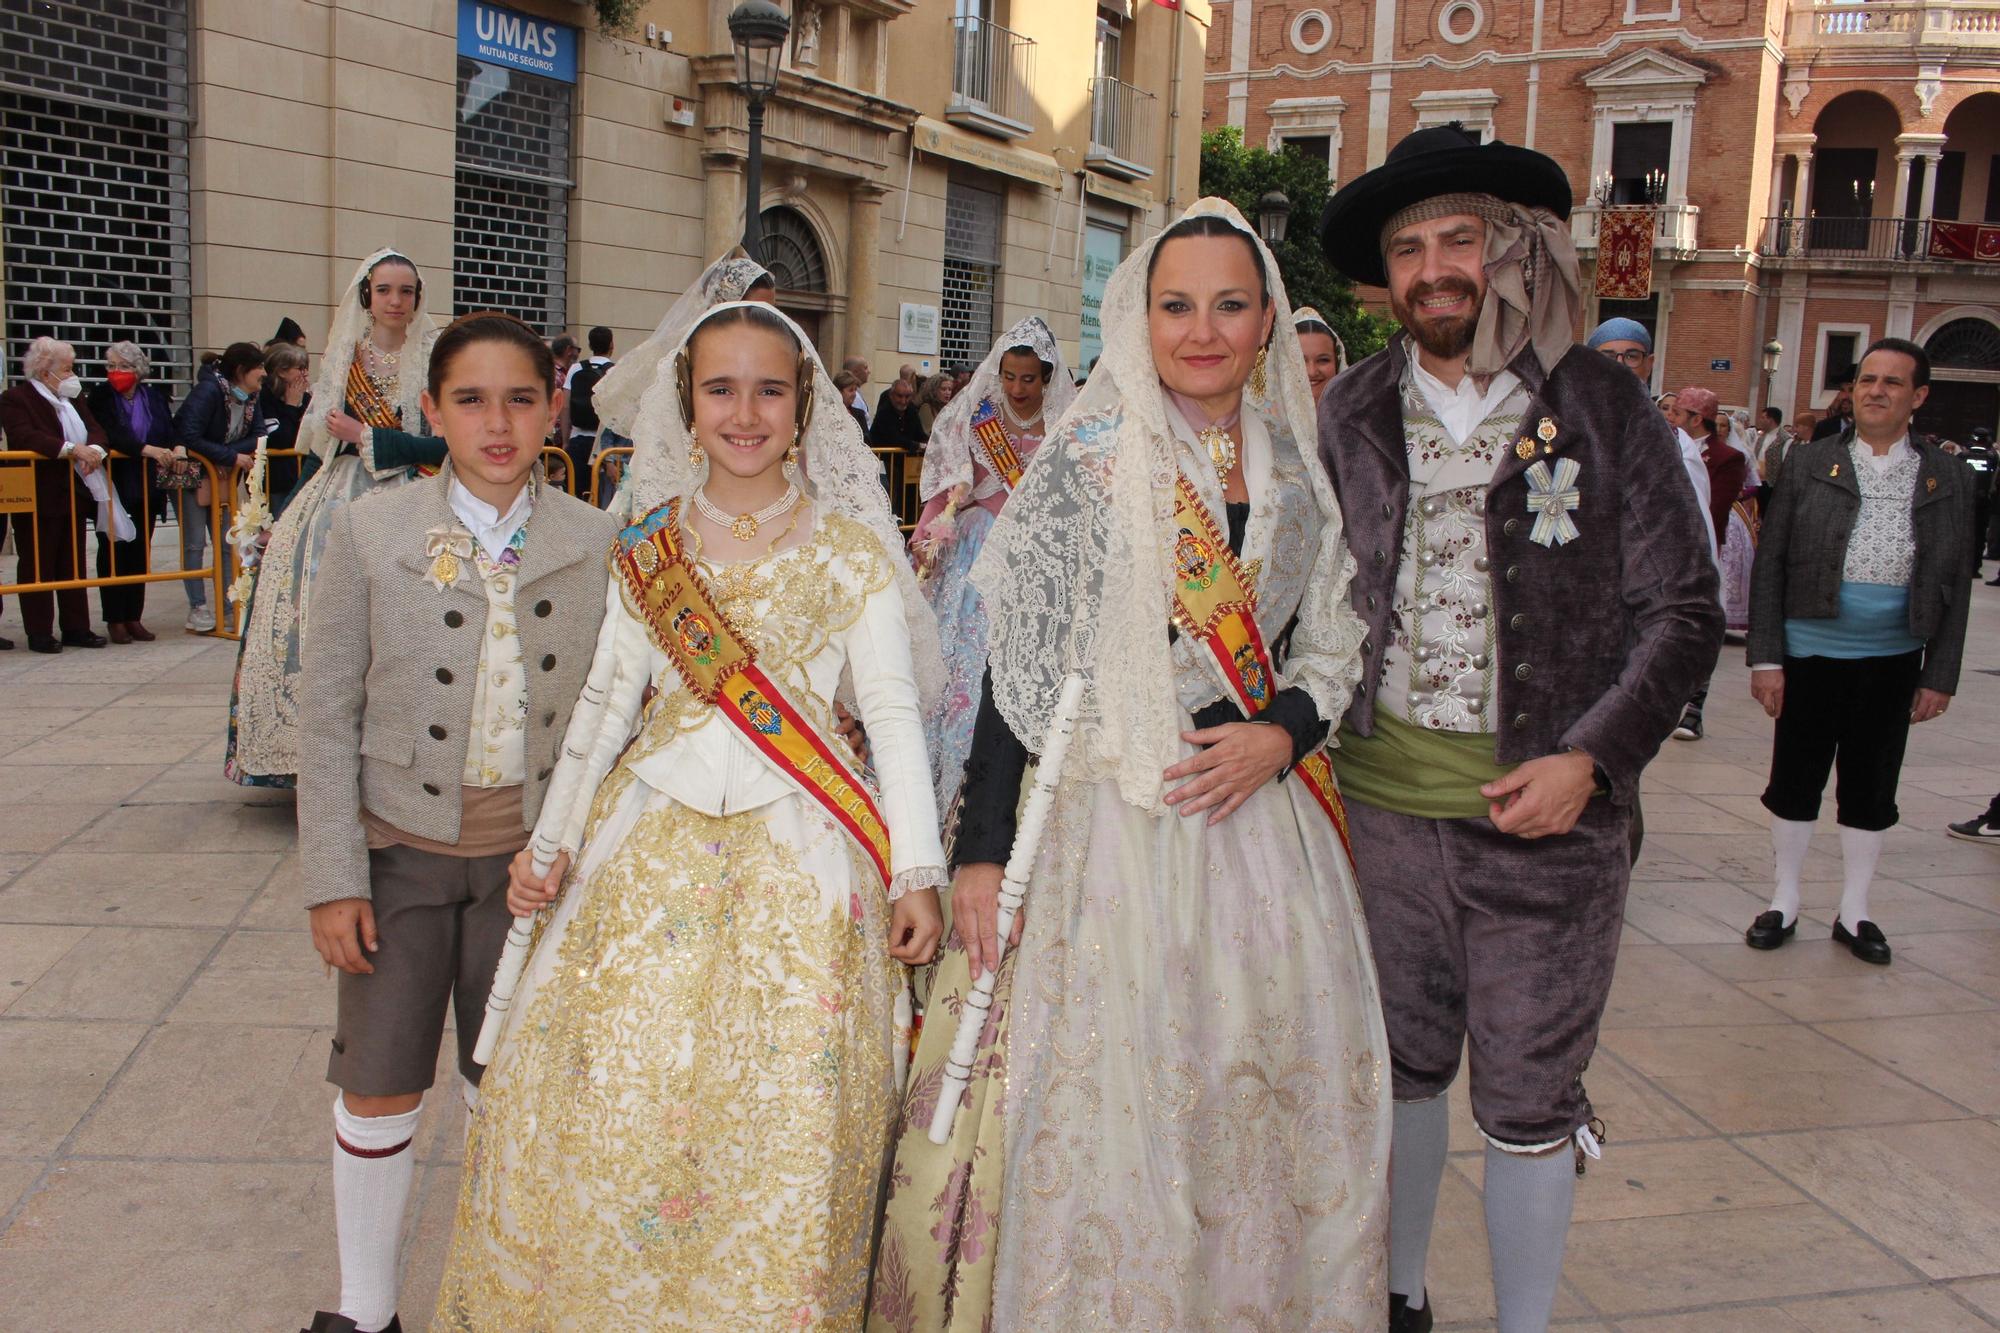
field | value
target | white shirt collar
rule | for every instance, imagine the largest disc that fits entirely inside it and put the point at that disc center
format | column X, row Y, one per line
column 1898, row 451
column 1461, row 408
column 488, row 526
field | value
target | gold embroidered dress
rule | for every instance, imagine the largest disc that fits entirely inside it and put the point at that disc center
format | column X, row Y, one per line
column 686, row 1120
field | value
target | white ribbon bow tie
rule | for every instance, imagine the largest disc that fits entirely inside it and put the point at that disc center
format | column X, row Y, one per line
column 1550, row 498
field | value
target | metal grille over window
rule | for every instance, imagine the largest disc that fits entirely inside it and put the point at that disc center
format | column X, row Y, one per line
column 510, row 223
column 94, row 178
column 791, row 251
column 971, row 272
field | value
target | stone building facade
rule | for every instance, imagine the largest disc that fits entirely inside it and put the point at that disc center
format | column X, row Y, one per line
column 1824, row 173
column 187, row 174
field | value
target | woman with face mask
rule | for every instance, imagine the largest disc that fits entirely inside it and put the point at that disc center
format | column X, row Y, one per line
column 43, row 413
column 218, row 421
column 138, row 420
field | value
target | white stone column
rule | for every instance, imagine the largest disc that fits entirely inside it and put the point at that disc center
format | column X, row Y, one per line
column 1927, row 199
column 1898, row 202
column 864, row 252
column 724, row 204
column 1802, row 186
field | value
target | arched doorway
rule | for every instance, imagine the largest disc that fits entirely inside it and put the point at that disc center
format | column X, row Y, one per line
column 1853, row 170
column 1965, row 378
column 798, row 264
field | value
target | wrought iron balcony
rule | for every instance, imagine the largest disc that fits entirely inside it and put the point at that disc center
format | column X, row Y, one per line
column 1124, row 126
column 1939, row 25
column 1674, row 227
column 992, row 79
column 1871, row 243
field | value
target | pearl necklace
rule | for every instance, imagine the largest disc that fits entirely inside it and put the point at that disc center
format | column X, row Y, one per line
column 1020, row 424
column 744, row 526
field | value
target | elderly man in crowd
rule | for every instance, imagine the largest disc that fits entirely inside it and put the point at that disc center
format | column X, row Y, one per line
column 1539, row 603
column 43, row 413
column 1858, row 608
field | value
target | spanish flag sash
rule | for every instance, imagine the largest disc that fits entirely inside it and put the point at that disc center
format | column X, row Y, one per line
column 720, row 666
column 1002, row 459
column 1214, row 604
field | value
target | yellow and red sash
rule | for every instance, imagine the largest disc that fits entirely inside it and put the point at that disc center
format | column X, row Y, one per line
column 1002, row 459
column 720, row 666
column 1213, row 603
column 370, row 408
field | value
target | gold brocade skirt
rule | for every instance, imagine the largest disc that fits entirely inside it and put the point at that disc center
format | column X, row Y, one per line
column 686, row 1121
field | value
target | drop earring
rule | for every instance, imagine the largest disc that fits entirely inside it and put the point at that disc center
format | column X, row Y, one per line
column 792, row 460
column 1258, row 381
column 695, row 455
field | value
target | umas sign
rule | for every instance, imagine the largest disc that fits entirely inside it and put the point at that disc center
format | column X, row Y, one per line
column 513, row 40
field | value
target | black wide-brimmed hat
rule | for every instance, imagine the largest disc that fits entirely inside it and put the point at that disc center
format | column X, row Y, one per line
column 1443, row 159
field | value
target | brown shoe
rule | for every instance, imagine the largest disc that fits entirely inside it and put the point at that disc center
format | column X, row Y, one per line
column 119, row 634
column 139, row 632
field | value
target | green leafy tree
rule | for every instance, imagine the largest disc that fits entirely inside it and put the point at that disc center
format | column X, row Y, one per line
column 1243, row 176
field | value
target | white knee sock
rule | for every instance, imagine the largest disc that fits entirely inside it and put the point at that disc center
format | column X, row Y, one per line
column 1528, row 1201
column 1420, row 1140
column 1789, row 839
column 1860, row 849
column 373, row 1168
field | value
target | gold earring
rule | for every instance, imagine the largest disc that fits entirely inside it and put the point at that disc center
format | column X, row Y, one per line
column 792, row 459
column 1258, row 382
column 695, row 455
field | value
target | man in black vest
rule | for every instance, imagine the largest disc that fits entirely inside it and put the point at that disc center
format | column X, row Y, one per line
column 582, row 384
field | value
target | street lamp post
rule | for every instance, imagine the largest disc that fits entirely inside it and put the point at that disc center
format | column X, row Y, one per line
column 1274, row 212
column 758, row 29
column 1774, row 352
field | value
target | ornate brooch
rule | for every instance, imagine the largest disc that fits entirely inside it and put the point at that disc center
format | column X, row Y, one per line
column 1551, row 497
column 448, row 549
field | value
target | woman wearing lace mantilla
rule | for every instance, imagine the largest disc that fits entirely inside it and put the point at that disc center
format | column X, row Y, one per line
column 981, row 445
column 377, row 357
column 1178, row 1115
column 686, row 1119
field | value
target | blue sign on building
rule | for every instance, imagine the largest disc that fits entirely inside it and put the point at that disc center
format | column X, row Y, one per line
column 513, row 40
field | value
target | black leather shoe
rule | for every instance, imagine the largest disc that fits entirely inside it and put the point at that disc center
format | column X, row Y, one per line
column 1402, row 1319
column 6, row 645
column 1866, row 942
column 84, row 640
column 1769, row 930
column 327, row 1322
column 44, row 643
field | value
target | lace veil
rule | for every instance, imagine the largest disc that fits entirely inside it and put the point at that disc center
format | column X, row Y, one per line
column 948, row 456
column 1076, row 570
column 616, row 398
column 350, row 326
column 839, row 474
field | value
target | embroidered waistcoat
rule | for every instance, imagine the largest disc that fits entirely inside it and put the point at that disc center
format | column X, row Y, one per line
column 496, row 754
column 1439, row 666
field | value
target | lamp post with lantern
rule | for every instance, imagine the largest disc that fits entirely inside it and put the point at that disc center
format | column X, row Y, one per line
column 758, row 30
column 1274, row 211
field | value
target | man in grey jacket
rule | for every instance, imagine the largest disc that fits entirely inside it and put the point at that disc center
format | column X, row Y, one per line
column 1539, row 601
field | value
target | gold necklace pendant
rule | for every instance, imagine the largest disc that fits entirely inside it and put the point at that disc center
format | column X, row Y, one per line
column 1221, row 452
column 743, row 527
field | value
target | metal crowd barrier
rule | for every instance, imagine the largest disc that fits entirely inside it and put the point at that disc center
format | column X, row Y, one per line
column 606, row 471
column 555, row 468
column 18, row 499
column 902, row 473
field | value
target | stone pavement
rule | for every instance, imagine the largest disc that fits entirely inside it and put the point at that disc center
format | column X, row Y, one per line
column 1797, row 1141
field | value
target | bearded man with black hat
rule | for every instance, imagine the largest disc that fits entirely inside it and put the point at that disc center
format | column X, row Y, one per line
column 1540, row 602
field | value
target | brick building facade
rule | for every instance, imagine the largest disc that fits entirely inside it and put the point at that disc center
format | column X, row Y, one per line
column 1820, row 174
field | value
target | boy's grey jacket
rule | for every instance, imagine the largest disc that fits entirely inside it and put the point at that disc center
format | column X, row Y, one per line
column 388, row 664
column 1601, row 639
column 1803, row 548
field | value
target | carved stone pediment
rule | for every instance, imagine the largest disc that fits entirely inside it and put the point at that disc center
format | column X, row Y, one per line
column 1646, row 72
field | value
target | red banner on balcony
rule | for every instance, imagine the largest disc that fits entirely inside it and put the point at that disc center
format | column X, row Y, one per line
column 1625, row 254
column 1965, row 240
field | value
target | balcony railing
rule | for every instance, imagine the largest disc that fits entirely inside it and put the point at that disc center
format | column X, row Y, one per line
column 1841, row 242
column 1890, row 24
column 1123, row 128
column 992, row 78
column 1674, row 227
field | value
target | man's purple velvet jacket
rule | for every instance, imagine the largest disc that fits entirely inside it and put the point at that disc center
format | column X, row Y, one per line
column 1601, row 639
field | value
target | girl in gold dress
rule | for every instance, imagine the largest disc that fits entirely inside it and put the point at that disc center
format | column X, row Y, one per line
column 685, row 1123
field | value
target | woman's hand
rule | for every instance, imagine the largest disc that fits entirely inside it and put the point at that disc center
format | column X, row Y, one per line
column 344, row 427
column 157, row 454
column 975, row 910
column 527, row 894
column 915, row 926
column 1237, row 759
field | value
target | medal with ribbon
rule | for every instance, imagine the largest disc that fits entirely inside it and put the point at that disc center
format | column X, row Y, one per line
column 1551, row 497
column 447, row 549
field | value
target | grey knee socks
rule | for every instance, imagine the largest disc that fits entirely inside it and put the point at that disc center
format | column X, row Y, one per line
column 1528, row 1201
column 1422, row 1136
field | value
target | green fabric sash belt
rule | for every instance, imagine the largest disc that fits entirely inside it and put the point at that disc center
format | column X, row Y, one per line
column 1411, row 770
